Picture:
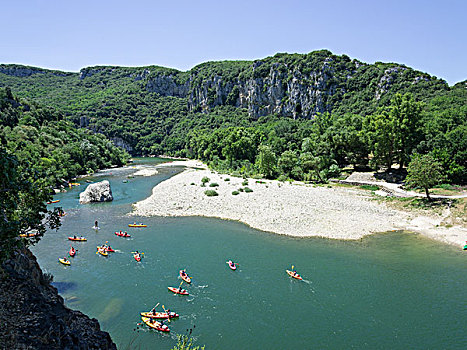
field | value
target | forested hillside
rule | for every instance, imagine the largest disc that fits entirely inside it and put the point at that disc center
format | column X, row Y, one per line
column 301, row 116
column 39, row 151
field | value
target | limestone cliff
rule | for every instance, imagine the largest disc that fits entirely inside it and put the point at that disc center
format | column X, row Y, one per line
column 33, row 315
column 298, row 86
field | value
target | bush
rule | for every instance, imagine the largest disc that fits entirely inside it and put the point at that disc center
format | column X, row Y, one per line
column 244, row 183
column 210, row 193
column 235, row 193
column 240, row 189
column 213, row 184
column 227, row 179
column 193, row 184
column 281, row 178
column 205, row 179
column 248, row 190
column 446, row 187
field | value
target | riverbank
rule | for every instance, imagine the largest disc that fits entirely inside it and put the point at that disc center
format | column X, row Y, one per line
column 297, row 209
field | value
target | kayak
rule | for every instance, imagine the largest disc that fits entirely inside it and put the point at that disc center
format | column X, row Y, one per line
column 294, row 275
column 184, row 276
column 159, row 315
column 28, row 235
column 78, row 239
column 102, row 252
column 123, row 234
column 72, row 251
column 55, row 201
column 231, row 265
column 465, row 247
column 137, row 257
column 137, row 225
column 177, row 291
column 96, row 228
column 108, row 249
column 64, row 262
column 156, row 325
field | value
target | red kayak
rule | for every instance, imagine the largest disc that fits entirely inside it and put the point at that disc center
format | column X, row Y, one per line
column 294, row 274
column 178, row 291
column 122, row 234
column 72, row 251
column 231, row 265
column 137, row 257
column 184, row 276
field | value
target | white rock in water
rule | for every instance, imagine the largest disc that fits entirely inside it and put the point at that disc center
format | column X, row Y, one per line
column 96, row 192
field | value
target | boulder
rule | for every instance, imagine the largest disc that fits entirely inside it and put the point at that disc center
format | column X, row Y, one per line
column 96, row 192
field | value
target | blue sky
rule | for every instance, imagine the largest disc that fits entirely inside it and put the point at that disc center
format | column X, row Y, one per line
column 68, row 35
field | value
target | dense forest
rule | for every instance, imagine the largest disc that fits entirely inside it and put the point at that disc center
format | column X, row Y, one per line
column 289, row 116
column 39, row 151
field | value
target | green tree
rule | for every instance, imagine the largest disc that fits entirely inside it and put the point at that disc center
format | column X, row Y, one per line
column 287, row 162
column 405, row 113
column 22, row 205
column 266, row 161
column 424, row 171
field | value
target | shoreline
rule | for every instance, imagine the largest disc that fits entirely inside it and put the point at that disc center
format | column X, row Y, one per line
column 297, row 210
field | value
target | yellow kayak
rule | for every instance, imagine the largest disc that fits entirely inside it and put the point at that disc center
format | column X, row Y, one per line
column 155, row 324
column 102, row 252
column 64, row 261
column 28, row 235
column 137, row 225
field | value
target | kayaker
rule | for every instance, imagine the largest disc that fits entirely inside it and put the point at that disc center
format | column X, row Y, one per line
column 96, row 224
column 74, row 236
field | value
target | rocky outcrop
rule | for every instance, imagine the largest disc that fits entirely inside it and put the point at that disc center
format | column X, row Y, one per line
column 33, row 315
column 25, row 71
column 119, row 142
column 96, row 192
column 167, row 85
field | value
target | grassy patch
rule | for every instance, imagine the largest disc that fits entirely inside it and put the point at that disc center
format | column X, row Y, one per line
column 369, row 187
column 213, row 184
column 235, row 193
column 248, row 190
column 211, row 193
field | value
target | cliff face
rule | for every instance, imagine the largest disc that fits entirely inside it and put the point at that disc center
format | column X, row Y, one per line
column 33, row 315
column 298, row 86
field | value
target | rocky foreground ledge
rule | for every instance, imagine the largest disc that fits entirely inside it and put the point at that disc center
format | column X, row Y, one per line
column 33, row 315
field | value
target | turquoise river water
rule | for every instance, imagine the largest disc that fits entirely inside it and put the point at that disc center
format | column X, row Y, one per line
column 388, row 291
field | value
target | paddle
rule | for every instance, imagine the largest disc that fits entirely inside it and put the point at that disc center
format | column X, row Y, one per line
column 155, row 307
column 168, row 316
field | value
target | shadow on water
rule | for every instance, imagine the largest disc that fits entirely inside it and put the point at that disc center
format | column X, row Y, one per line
column 64, row 287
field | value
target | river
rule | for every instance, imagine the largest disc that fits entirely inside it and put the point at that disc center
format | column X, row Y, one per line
column 388, row 291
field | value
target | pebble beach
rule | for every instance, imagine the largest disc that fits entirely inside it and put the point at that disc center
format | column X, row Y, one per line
column 293, row 209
